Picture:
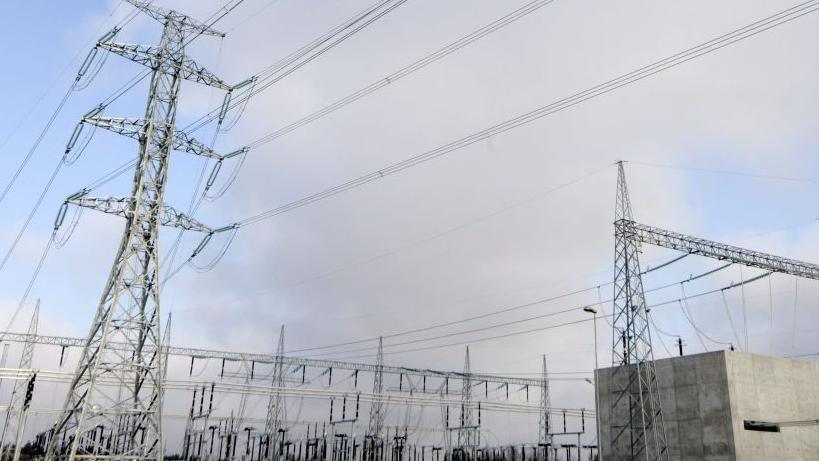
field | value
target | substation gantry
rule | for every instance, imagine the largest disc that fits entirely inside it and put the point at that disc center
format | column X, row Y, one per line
column 636, row 425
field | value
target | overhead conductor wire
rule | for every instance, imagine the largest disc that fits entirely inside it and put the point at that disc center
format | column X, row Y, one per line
column 625, row 79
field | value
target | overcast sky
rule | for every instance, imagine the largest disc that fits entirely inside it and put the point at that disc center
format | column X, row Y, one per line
column 480, row 229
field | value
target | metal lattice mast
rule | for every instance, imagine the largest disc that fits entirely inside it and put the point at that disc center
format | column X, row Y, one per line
column 637, row 428
column 15, row 414
column 467, row 432
column 545, row 423
column 129, row 309
column 276, row 405
column 376, row 427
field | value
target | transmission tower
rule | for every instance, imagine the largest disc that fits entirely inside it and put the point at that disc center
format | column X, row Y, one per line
column 637, row 428
column 468, row 430
column 16, row 412
column 545, row 423
column 120, row 388
column 276, row 405
column 376, row 428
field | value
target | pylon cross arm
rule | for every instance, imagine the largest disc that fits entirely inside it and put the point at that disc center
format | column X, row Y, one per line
column 167, row 215
column 184, row 22
column 135, row 128
column 720, row 251
column 150, row 56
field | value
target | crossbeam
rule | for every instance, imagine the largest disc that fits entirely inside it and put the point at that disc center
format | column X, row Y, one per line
column 699, row 246
column 66, row 341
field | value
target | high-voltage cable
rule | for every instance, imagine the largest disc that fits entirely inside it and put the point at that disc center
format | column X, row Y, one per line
column 550, row 327
column 629, row 78
column 405, row 71
column 71, row 89
column 274, row 73
column 269, row 76
column 745, row 174
column 489, row 314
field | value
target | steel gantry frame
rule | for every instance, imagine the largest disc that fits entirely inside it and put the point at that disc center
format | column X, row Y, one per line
column 636, row 424
column 289, row 361
column 129, row 309
column 15, row 422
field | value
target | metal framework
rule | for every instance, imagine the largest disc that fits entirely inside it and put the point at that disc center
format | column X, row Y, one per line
column 637, row 428
column 15, row 422
column 468, row 431
column 276, row 406
column 129, row 309
column 289, row 362
column 545, row 423
column 376, row 427
column 699, row 246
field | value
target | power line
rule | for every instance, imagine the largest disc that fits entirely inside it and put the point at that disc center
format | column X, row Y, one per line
column 50, row 122
column 357, row 23
column 554, row 326
column 405, row 71
column 488, row 314
column 451, row 230
column 745, row 174
column 288, row 60
column 634, row 76
column 301, row 57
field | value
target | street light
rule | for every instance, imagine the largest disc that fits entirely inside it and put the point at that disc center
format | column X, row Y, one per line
column 593, row 311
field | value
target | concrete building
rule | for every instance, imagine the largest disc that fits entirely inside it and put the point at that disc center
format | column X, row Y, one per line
column 706, row 398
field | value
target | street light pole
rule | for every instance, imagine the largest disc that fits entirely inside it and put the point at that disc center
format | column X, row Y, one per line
column 593, row 311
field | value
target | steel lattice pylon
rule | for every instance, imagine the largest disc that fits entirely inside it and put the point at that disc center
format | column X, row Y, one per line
column 123, row 421
column 544, row 437
column 375, row 429
column 468, row 432
column 637, row 428
column 276, row 405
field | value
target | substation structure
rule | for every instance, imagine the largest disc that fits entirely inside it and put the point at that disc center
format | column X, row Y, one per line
column 263, row 407
column 630, row 398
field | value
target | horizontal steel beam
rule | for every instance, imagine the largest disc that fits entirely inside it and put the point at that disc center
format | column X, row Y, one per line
column 66, row 341
column 698, row 246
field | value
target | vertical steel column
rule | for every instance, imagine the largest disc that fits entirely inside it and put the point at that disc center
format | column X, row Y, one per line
column 637, row 430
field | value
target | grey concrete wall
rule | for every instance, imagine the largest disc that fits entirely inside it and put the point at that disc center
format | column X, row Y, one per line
column 706, row 398
column 774, row 389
